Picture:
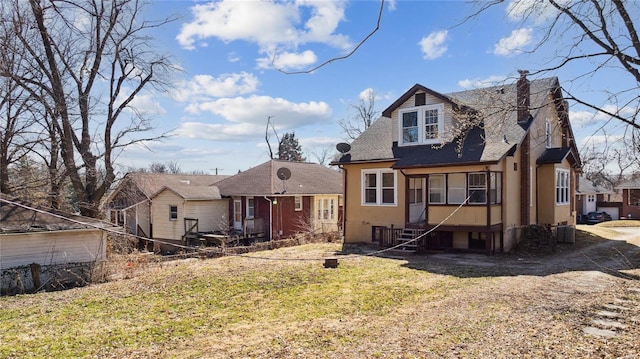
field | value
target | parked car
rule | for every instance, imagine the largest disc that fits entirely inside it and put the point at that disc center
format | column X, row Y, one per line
column 598, row 217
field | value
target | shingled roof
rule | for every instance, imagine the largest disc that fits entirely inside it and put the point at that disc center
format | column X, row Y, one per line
column 496, row 136
column 262, row 180
column 17, row 216
column 192, row 192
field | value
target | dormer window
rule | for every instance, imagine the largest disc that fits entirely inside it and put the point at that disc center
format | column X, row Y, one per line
column 421, row 125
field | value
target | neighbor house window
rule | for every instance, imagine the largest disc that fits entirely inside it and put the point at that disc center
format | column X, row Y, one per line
column 415, row 190
column 298, row 203
column 457, row 187
column 562, row 186
column 379, row 187
column 591, row 198
column 250, row 207
column 477, row 188
column 325, row 209
column 437, row 189
column 421, row 124
column 173, row 213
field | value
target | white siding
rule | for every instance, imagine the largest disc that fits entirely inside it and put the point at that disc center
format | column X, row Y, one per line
column 429, row 100
column 163, row 227
column 212, row 215
column 49, row 248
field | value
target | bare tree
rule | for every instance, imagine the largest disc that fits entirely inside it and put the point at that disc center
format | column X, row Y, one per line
column 608, row 164
column 88, row 61
column 366, row 114
column 600, row 35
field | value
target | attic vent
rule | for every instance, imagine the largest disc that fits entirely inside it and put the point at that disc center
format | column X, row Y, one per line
column 420, row 99
column 185, row 181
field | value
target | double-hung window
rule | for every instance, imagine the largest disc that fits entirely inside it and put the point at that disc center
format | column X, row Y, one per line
column 437, row 189
column 457, row 191
column 250, row 207
column 379, row 187
column 297, row 203
column 410, row 128
column 562, row 186
column 421, row 124
column 477, row 188
column 495, row 192
column 173, row 213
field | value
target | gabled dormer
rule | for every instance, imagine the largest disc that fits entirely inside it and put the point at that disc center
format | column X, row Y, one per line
column 420, row 117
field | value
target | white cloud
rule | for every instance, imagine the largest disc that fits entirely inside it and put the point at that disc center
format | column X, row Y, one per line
column 481, row 83
column 288, row 60
column 366, row 94
column 218, row 132
column 206, row 86
column 600, row 140
column 147, row 104
column 271, row 25
column 311, row 142
column 433, row 46
column 256, row 110
column 581, row 118
column 536, row 10
column 515, row 42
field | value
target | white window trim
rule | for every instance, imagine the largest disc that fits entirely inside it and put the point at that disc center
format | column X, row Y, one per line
column 330, row 209
column 421, row 124
column 562, row 187
column 171, row 218
column 249, row 212
column 297, row 206
column 378, row 173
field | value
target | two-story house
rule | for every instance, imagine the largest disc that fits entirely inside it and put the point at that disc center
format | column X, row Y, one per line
column 469, row 168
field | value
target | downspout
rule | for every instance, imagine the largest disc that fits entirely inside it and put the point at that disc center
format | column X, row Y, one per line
column 344, row 202
column 537, row 206
column 270, row 218
column 489, row 245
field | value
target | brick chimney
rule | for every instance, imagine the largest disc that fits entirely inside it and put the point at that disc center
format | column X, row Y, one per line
column 522, row 97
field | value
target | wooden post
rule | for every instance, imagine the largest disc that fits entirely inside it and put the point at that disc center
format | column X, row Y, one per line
column 35, row 275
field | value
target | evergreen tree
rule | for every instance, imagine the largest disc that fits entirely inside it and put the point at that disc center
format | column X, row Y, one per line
column 289, row 149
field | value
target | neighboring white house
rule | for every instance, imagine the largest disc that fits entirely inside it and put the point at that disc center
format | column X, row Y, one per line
column 177, row 209
column 44, row 248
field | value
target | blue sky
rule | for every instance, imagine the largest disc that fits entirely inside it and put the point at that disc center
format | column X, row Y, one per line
column 230, row 53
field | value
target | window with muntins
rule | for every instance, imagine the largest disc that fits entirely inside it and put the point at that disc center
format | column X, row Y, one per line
column 421, row 124
column 173, row 213
column 477, row 188
column 250, row 207
column 379, row 187
column 298, row 203
column 437, row 189
column 562, row 186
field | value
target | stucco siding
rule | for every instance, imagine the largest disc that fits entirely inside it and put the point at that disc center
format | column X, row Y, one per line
column 360, row 218
column 51, row 248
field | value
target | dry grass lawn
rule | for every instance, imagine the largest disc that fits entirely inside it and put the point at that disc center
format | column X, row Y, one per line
column 285, row 304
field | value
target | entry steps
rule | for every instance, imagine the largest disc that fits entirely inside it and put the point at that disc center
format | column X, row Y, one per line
column 408, row 235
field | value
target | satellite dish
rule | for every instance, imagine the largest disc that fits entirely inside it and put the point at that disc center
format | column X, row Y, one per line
column 283, row 173
column 343, row 147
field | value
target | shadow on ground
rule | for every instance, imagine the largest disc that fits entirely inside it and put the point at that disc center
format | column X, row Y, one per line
column 590, row 253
